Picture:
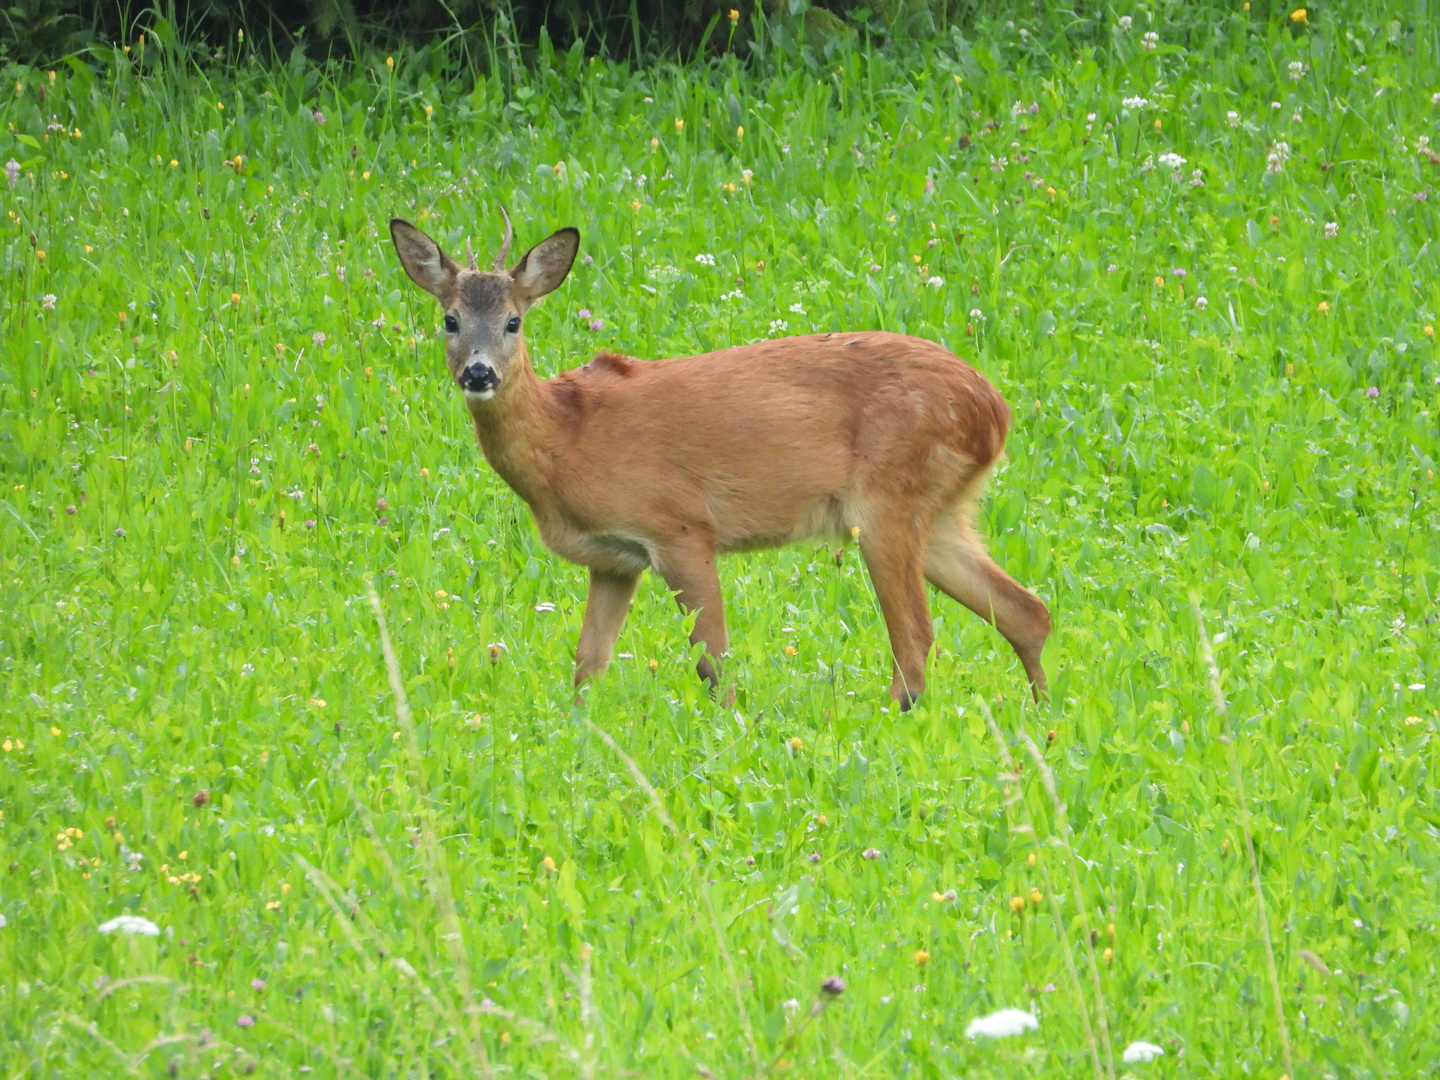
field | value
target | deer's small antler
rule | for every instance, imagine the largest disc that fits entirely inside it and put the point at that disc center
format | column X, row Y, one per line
column 505, row 243
column 469, row 254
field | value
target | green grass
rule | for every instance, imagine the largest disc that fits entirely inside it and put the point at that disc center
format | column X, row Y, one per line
column 191, row 520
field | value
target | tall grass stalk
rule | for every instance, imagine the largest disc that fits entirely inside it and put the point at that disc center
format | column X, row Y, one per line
column 1013, row 779
column 437, row 875
column 1262, row 919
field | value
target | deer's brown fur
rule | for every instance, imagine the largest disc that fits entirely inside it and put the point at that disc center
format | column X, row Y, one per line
column 666, row 464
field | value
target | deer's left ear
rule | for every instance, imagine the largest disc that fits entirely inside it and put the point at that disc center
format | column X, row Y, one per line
column 542, row 268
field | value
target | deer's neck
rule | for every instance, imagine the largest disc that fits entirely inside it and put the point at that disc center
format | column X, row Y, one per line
column 517, row 431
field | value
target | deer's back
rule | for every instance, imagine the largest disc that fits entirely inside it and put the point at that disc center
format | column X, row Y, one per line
column 883, row 395
column 769, row 442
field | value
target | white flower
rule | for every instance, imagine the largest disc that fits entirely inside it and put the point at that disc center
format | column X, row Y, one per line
column 736, row 295
column 1139, row 1052
column 1197, row 178
column 1090, row 118
column 1232, row 118
column 318, row 337
column 1000, row 1024
column 935, row 282
column 1149, row 41
column 705, row 260
column 3, row 921
column 797, row 308
column 545, row 606
column 1136, row 103
column 1297, row 70
column 1332, row 230
column 776, row 325
column 1125, row 22
column 1422, row 144
column 1171, row 160
column 1275, row 160
column 1297, row 117
column 12, row 172
column 1435, row 100
column 1201, row 303
column 48, row 301
column 976, row 314
column 130, row 924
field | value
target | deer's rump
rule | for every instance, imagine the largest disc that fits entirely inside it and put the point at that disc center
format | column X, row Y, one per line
column 767, row 443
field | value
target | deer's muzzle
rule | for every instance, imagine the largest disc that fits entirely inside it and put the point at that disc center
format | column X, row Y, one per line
column 479, row 380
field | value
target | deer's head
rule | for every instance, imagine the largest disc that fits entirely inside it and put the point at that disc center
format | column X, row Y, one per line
column 484, row 309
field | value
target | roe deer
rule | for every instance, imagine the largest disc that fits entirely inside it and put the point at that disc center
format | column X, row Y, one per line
column 628, row 464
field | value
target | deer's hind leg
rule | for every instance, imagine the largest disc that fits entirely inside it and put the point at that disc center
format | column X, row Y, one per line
column 894, row 552
column 957, row 564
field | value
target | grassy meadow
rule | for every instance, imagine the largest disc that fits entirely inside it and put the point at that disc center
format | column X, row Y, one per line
column 1200, row 265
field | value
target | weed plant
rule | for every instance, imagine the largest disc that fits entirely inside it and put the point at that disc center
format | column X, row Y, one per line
column 1199, row 261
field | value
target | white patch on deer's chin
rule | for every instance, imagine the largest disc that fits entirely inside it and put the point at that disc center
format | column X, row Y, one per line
column 479, row 395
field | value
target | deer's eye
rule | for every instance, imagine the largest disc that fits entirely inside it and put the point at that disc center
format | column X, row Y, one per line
column 452, row 324
column 513, row 326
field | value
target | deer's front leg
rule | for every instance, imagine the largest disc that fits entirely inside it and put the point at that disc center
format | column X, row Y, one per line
column 605, row 609
column 690, row 572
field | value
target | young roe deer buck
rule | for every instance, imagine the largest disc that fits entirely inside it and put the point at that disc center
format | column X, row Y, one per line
column 628, row 465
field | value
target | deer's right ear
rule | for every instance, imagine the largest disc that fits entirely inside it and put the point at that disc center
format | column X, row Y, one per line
column 427, row 265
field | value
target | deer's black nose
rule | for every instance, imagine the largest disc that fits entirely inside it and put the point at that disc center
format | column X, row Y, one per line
column 479, row 378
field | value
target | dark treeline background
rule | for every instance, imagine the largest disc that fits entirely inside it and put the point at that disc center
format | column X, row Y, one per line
column 41, row 31
column 36, row 31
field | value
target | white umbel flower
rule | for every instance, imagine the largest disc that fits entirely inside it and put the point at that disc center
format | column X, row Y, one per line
column 1137, row 1053
column 999, row 1025
column 130, row 924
